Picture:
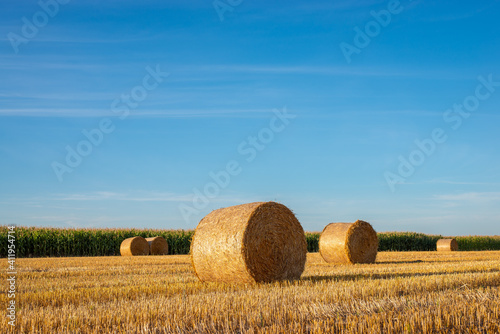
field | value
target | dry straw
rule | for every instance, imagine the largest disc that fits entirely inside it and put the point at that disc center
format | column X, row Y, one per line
column 447, row 245
column 255, row 242
column 157, row 246
column 348, row 243
column 134, row 246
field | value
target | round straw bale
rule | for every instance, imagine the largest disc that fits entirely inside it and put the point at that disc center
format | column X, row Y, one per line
column 254, row 242
column 348, row 243
column 134, row 246
column 447, row 245
column 157, row 246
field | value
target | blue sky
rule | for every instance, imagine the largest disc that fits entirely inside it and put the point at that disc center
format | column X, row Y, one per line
column 268, row 91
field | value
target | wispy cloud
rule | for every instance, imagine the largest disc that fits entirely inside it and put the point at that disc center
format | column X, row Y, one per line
column 132, row 196
column 470, row 196
column 140, row 196
column 163, row 113
column 364, row 71
column 96, row 64
column 71, row 220
column 57, row 112
column 443, row 181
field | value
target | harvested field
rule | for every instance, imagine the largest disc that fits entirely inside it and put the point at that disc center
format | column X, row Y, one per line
column 408, row 292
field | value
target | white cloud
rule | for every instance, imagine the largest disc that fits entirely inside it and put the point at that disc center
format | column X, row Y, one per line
column 470, row 196
column 442, row 181
column 140, row 196
column 133, row 196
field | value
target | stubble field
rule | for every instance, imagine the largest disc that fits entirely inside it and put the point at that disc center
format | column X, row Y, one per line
column 404, row 292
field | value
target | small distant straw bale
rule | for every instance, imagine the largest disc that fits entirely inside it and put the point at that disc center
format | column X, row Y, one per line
column 254, row 242
column 447, row 245
column 345, row 243
column 157, row 246
column 134, row 246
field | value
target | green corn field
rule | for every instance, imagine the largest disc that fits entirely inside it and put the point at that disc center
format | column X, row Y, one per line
column 48, row 242
column 43, row 242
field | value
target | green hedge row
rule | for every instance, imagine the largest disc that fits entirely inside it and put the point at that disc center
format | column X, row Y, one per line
column 41, row 242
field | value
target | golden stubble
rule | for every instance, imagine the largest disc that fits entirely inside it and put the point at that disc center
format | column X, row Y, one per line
column 410, row 292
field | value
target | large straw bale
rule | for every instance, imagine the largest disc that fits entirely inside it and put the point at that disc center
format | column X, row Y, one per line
column 134, row 246
column 157, row 246
column 346, row 243
column 447, row 245
column 255, row 242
